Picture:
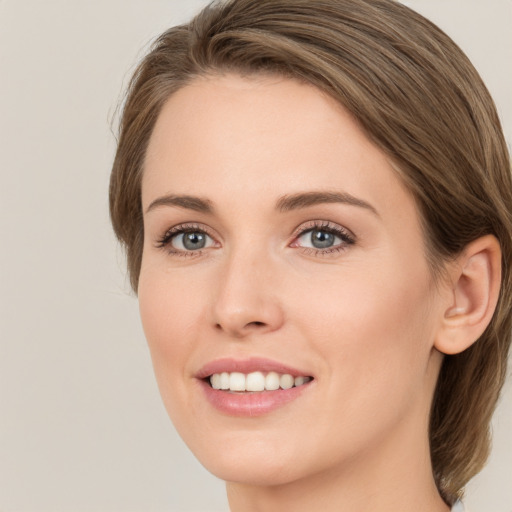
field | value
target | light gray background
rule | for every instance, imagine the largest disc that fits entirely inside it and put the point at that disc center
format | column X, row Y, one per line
column 81, row 423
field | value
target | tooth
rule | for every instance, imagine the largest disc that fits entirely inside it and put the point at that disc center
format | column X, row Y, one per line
column 299, row 381
column 237, row 381
column 286, row 381
column 224, row 380
column 255, row 382
column 215, row 381
column 272, row 381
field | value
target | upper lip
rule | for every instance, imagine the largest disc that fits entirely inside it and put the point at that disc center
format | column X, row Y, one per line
column 253, row 364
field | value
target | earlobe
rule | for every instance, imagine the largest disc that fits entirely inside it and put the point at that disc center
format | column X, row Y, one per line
column 475, row 281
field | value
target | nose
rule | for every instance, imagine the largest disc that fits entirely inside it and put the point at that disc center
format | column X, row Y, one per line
column 246, row 300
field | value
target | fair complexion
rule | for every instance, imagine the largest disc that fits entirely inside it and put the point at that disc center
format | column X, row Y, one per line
column 277, row 234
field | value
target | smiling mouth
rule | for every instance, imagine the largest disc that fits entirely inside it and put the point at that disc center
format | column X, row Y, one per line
column 237, row 382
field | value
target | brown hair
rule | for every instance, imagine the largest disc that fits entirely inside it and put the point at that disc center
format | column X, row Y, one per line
column 419, row 99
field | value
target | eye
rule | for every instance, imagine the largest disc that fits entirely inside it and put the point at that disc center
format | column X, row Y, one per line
column 323, row 237
column 191, row 241
column 185, row 240
column 319, row 239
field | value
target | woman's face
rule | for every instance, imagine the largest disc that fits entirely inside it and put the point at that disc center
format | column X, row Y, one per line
column 280, row 244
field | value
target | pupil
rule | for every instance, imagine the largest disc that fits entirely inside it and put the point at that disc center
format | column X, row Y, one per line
column 194, row 240
column 321, row 239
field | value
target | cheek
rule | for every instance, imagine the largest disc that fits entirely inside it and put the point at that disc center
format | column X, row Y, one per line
column 169, row 320
column 372, row 333
column 372, row 326
column 367, row 299
column 169, row 307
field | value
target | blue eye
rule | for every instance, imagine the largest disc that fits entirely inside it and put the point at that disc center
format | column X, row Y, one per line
column 319, row 236
column 190, row 241
column 186, row 240
column 324, row 237
column 319, row 239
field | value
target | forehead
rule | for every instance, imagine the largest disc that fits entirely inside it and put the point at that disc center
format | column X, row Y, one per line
column 262, row 136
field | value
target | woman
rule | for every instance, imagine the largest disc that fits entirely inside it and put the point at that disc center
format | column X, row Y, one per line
column 315, row 197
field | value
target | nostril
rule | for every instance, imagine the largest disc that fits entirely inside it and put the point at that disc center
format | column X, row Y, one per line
column 242, row 330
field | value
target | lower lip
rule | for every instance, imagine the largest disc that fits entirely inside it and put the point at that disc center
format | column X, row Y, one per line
column 251, row 404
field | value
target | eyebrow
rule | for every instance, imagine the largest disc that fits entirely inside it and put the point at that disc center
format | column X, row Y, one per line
column 306, row 199
column 197, row 204
column 284, row 203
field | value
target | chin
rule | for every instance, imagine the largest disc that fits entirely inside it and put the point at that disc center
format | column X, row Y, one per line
column 247, row 470
column 254, row 462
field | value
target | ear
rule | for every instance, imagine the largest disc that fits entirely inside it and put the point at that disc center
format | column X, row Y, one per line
column 475, row 279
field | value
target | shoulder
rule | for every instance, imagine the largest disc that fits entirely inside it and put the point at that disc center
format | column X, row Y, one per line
column 458, row 506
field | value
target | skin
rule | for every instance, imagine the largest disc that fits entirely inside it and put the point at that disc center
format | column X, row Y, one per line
column 362, row 320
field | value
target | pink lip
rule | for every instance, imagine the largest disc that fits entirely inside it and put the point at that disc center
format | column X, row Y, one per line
column 254, row 364
column 254, row 403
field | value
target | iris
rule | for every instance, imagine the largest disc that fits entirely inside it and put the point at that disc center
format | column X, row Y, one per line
column 194, row 240
column 322, row 239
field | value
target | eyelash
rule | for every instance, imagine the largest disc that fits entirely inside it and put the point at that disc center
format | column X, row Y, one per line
column 165, row 241
column 346, row 236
